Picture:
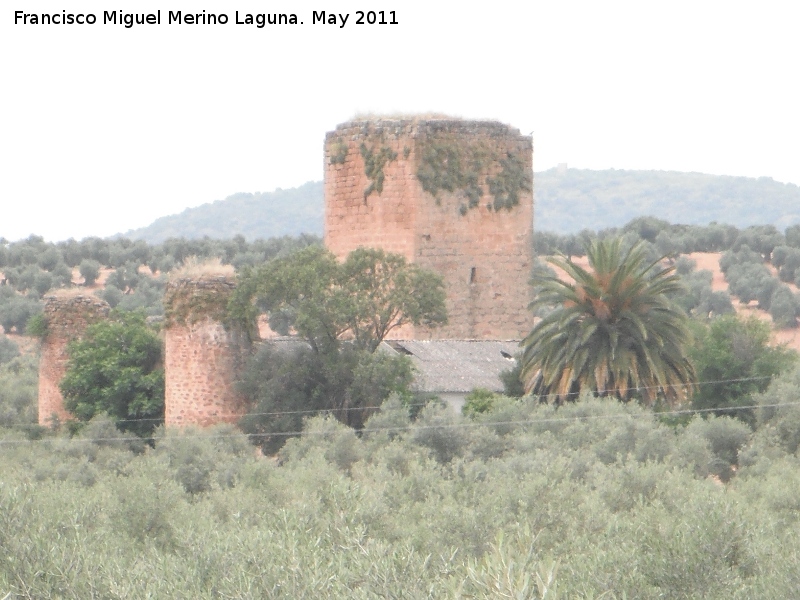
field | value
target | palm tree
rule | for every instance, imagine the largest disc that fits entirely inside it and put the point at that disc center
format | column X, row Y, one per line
column 611, row 330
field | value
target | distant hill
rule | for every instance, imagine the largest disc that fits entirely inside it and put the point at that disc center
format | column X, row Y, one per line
column 575, row 199
column 566, row 201
column 264, row 215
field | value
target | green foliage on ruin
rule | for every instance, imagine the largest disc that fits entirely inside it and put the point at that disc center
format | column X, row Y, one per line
column 37, row 326
column 451, row 164
column 116, row 368
column 447, row 163
column 374, row 162
column 514, row 177
column 188, row 301
column 338, row 153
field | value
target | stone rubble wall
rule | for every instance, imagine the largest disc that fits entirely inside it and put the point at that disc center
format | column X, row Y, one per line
column 485, row 255
column 201, row 361
column 386, row 220
column 67, row 319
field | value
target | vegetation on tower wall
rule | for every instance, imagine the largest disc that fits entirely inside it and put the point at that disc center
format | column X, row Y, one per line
column 375, row 159
column 448, row 163
column 188, row 301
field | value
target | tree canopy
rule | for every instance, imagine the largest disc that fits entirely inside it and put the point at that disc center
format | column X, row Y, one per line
column 116, row 369
column 343, row 311
column 734, row 360
column 367, row 296
column 611, row 330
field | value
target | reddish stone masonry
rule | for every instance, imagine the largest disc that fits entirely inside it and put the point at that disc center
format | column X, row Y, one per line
column 472, row 234
column 201, row 357
column 67, row 318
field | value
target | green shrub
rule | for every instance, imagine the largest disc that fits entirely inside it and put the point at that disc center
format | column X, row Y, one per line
column 340, row 445
column 511, row 380
column 90, row 271
column 37, row 326
column 19, row 382
column 784, row 307
column 440, row 430
column 778, row 409
column 285, row 385
column 116, row 369
column 16, row 311
column 42, row 283
column 510, row 569
column 202, row 460
column 726, row 437
column 531, row 513
column 111, row 294
column 478, row 401
column 391, row 421
column 733, row 359
column 703, row 551
column 9, row 349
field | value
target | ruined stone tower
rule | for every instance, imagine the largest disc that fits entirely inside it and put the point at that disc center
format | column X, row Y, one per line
column 201, row 357
column 67, row 315
column 453, row 196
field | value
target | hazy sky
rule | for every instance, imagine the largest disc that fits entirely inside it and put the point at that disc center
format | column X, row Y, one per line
column 105, row 128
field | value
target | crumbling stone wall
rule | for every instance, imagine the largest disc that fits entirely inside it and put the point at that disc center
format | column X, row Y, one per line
column 67, row 317
column 201, row 357
column 453, row 196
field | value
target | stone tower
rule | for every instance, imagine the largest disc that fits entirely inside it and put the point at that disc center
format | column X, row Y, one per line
column 67, row 315
column 450, row 195
column 201, row 357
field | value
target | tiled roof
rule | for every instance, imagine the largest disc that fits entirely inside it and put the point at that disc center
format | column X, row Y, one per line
column 455, row 366
column 458, row 365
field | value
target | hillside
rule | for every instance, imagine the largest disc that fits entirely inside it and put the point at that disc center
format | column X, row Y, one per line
column 576, row 199
column 565, row 202
column 261, row 215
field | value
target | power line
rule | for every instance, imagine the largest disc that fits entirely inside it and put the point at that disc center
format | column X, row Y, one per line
column 418, row 404
column 468, row 425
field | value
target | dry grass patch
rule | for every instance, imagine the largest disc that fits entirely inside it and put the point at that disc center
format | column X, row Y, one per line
column 193, row 268
column 399, row 116
column 66, row 293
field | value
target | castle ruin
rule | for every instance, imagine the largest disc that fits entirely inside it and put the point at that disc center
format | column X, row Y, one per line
column 67, row 316
column 453, row 196
column 201, row 356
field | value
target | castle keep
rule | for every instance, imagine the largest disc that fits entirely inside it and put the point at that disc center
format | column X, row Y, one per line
column 453, row 196
column 67, row 316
